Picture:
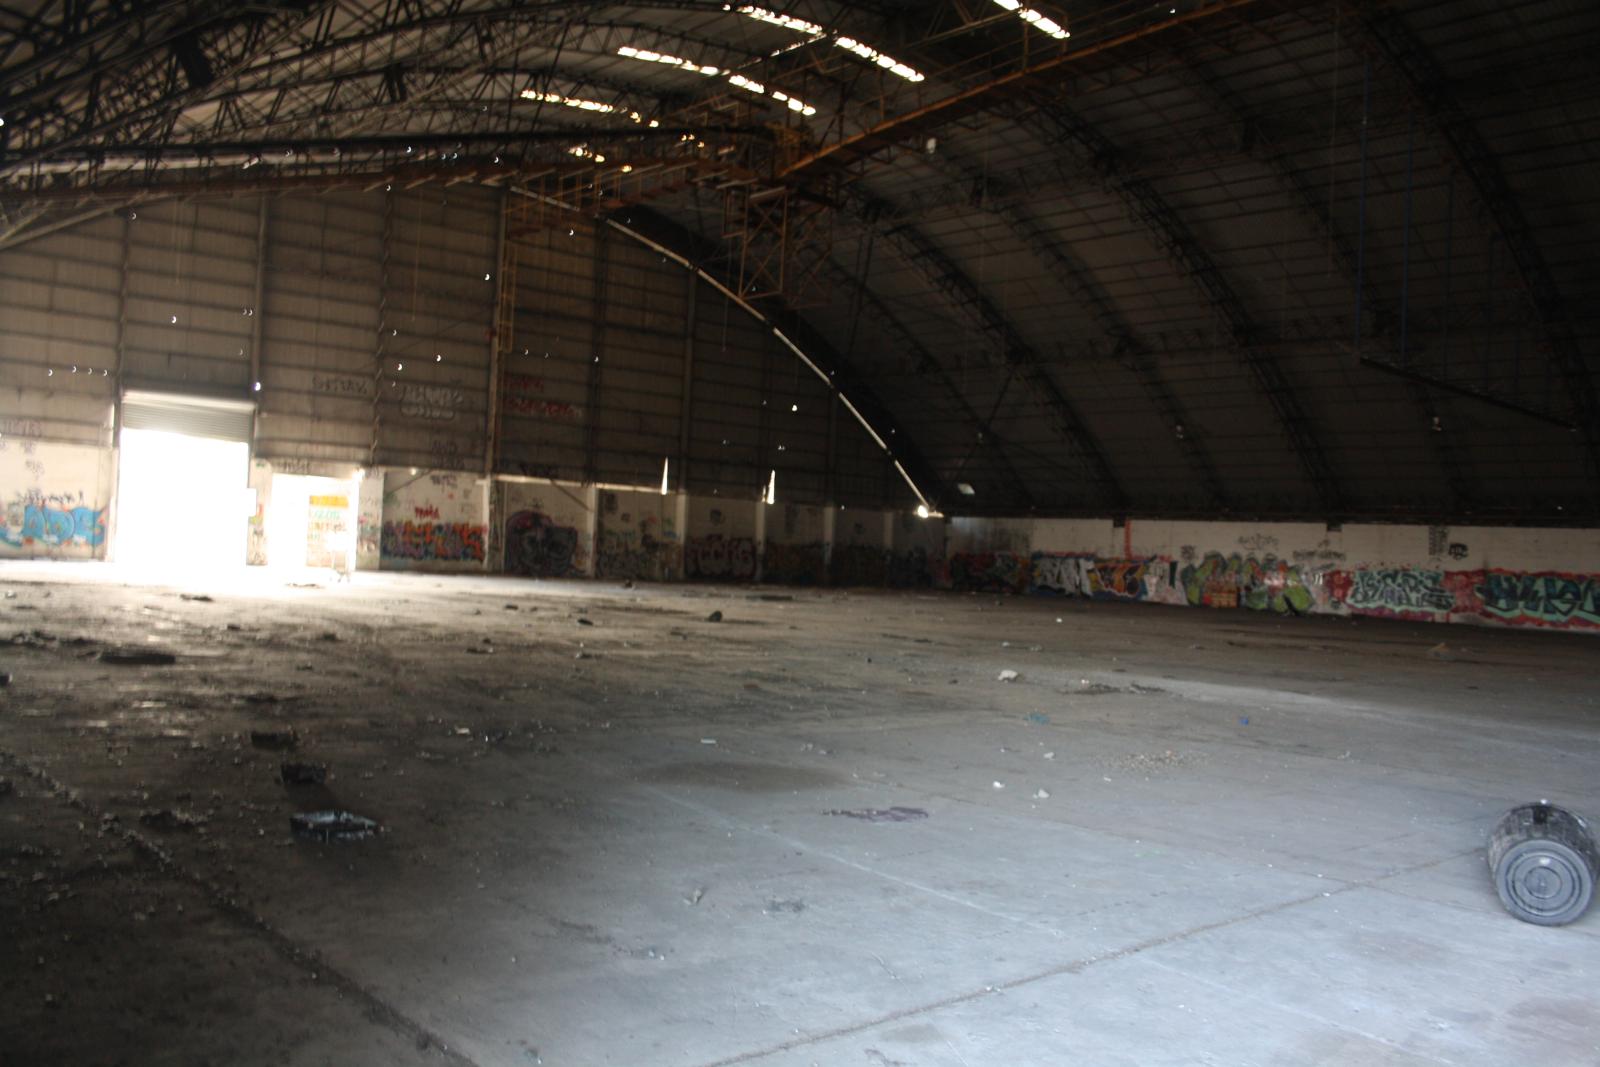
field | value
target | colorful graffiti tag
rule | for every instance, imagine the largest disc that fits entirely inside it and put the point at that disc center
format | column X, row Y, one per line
column 1397, row 592
column 1542, row 599
column 1129, row 579
column 719, row 558
column 443, row 541
column 1236, row 581
column 45, row 524
column 540, row 547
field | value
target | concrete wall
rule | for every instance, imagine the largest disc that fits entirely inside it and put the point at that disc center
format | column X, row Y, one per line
column 722, row 540
column 638, row 536
column 1498, row 576
column 433, row 520
column 547, row 528
column 57, row 499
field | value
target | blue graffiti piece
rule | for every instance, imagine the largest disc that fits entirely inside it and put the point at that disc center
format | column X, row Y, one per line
column 58, row 526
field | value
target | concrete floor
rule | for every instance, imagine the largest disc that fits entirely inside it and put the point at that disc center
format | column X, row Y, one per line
column 620, row 843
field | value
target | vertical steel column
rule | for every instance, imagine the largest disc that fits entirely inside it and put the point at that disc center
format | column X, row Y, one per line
column 1361, row 212
column 597, row 343
column 1405, row 242
column 256, row 317
column 505, row 321
column 686, row 409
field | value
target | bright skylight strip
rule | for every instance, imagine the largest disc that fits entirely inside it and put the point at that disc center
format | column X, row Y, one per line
column 816, row 32
column 749, row 85
column 788, row 22
column 872, row 55
column 570, row 101
column 646, row 55
column 1039, row 21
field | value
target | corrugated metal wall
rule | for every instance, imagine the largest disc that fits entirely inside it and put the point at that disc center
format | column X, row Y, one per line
column 369, row 322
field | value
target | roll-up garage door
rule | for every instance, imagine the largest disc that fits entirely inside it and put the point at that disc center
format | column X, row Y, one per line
column 197, row 416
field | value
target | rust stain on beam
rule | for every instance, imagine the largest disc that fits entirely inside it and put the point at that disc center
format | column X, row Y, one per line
column 951, row 108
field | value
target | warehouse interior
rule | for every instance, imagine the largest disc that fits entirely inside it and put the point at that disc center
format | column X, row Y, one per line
column 878, row 532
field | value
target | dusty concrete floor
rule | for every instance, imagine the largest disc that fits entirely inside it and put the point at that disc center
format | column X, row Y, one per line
column 1261, row 842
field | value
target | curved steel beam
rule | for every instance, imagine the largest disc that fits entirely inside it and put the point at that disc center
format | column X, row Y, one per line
column 1386, row 33
column 919, row 252
column 923, row 360
column 1313, row 210
column 671, row 240
column 1054, row 123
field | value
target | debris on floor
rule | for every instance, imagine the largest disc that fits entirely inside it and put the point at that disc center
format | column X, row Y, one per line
column 1442, row 652
column 999, row 785
column 280, row 739
column 199, row 598
column 303, row 773
column 1008, row 676
column 715, row 616
column 1041, row 794
column 137, row 657
column 880, row 814
column 170, row 819
column 695, row 897
column 1038, row 718
column 332, row 826
column 585, row 622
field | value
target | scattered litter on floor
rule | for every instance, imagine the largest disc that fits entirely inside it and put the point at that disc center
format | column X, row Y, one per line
column 1049, row 755
column 479, row 650
column 1041, row 794
column 512, row 607
column 332, row 826
column 137, row 657
column 695, row 897
column 999, row 785
column 708, row 740
column 199, row 598
column 715, row 616
column 880, row 814
column 1038, row 718
column 585, row 622
column 280, row 739
column 303, row 773
column 1244, row 720
column 169, row 819
column 1007, row 676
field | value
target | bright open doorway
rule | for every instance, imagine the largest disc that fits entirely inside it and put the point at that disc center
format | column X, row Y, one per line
column 311, row 523
column 182, row 502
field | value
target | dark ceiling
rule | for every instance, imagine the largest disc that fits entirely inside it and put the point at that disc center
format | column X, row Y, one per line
column 1246, row 257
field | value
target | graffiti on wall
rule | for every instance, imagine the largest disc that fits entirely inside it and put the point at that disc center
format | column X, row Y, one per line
column 436, row 403
column 1541, row 599
column 989, row 572
column 1399, row 592
column 524, row 395
column 647, row 548
column 1061, row 573
column 53, row 520
column 793, row 564
column 1259, row 584
column 1129, row 579
column 720, row 558
column 441, row 541
column 538, row 546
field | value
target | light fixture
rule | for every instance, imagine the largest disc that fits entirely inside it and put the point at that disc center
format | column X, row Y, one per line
column 966, row 489
column 922, row 511
column 1038, row 21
